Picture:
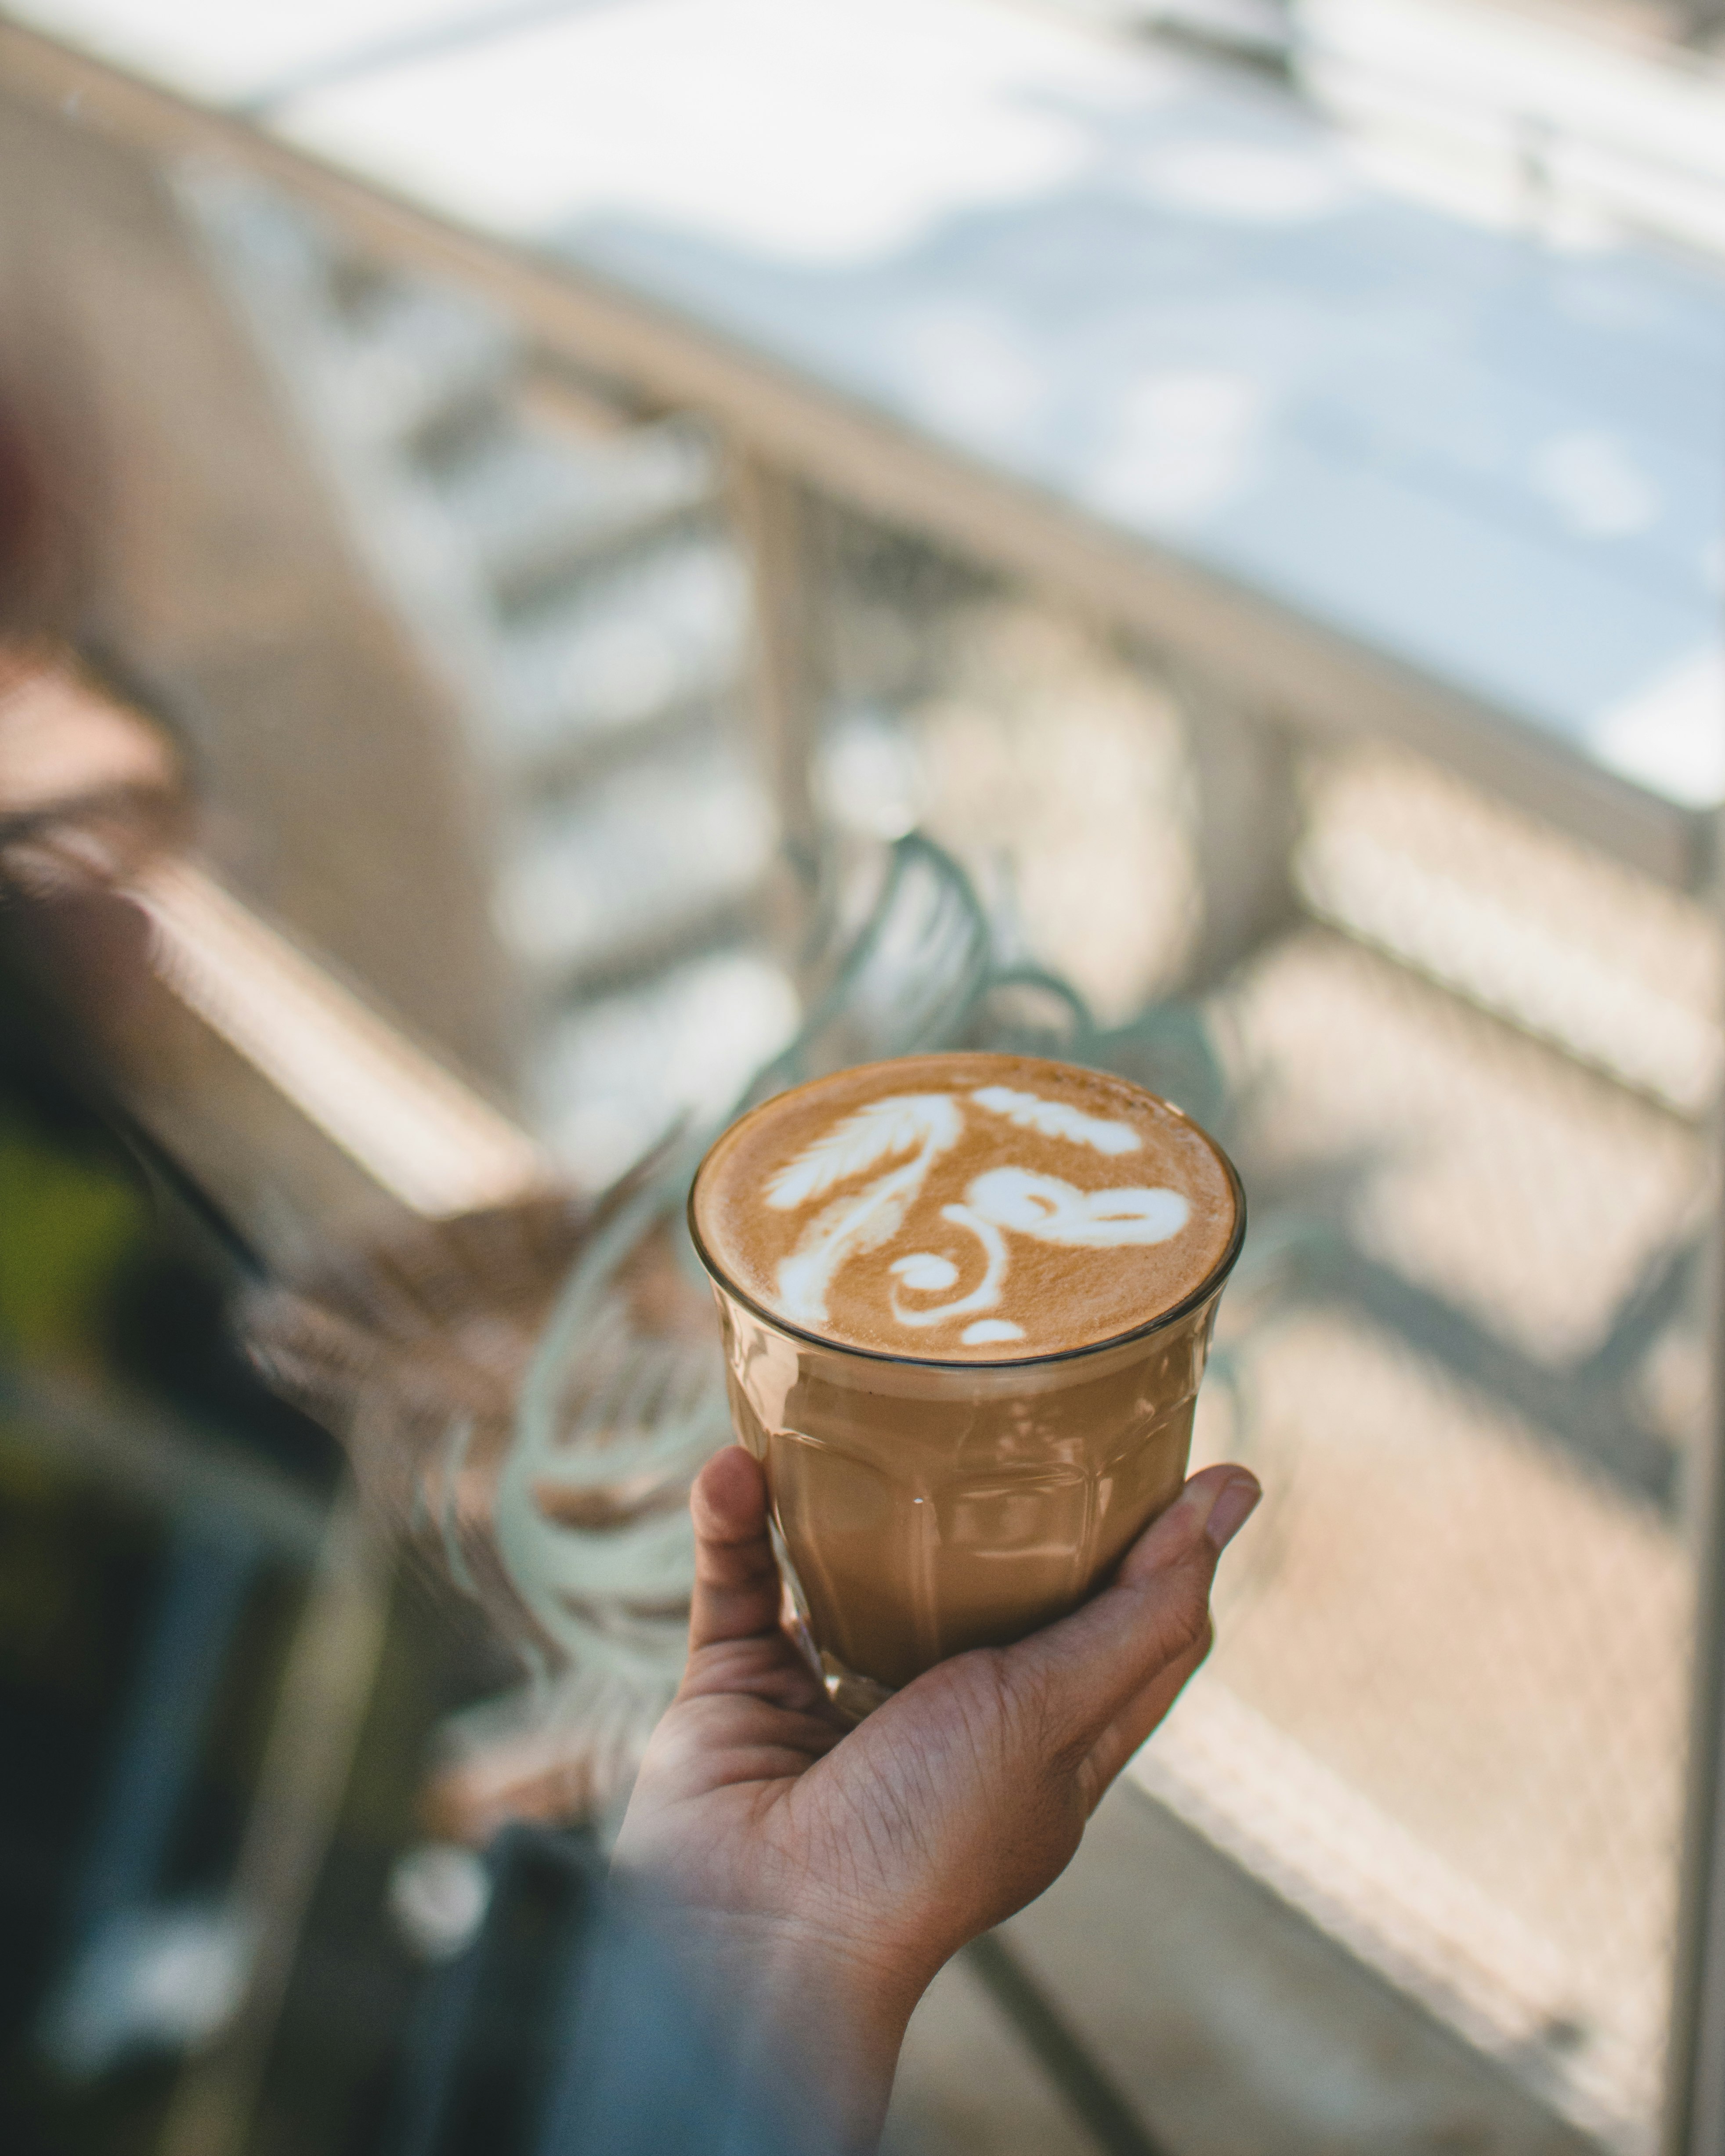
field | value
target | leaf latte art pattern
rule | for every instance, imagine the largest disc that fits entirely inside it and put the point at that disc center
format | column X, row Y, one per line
column 903, row 1136
column 876, row 1132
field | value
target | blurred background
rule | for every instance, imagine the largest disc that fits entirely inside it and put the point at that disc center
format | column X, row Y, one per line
column 565, row 565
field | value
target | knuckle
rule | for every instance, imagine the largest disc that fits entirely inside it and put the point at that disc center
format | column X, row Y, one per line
column 1184, row 1617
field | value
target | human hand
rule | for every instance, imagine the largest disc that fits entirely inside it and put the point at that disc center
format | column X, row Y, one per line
column 824, row 1873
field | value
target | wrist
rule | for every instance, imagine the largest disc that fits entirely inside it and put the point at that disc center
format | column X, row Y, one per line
column 824, row 2018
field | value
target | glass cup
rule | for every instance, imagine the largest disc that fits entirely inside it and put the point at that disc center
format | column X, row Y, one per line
column 922, row 1508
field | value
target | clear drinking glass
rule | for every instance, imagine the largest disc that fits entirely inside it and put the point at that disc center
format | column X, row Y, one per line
column 923, row 1507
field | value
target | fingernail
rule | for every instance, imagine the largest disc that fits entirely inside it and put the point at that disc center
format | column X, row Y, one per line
column 1232, row 1509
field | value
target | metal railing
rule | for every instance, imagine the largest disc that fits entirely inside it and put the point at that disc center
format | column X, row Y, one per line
column 1559, row 1377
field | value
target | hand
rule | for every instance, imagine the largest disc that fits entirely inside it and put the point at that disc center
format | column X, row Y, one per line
column 822, row 1873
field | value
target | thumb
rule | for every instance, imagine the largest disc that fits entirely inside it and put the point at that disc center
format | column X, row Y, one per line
column 737, row 1585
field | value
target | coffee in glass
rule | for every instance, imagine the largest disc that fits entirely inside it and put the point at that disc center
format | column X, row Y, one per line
column 967, row 1300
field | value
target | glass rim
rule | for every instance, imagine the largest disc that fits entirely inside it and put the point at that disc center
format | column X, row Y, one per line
column 1212, row 1283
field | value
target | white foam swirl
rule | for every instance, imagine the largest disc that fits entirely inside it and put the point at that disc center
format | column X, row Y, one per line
column 986, row 1294
column 1053, row 1212
column 898, row 1124
column 1058, row 1119
column 1004, row 1199
column 930, row 1122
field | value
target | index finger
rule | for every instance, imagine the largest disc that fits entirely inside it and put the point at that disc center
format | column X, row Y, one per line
column 1080, row 1673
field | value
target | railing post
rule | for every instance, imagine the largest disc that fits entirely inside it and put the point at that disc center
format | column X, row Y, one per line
column 1694, row 2123
column 1245, row 824
column 774, row 518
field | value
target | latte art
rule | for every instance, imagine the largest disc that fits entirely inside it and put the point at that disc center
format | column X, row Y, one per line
column 1057, row 1119
column 1053, row 1212
column 1015, row 1198
column 966, row 1206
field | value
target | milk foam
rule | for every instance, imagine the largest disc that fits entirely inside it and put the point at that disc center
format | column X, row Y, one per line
column 1057, row 1119
column 928, row 1219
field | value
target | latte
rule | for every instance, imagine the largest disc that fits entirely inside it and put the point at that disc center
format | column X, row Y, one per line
column 966, row 1303
column 966, row 1208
